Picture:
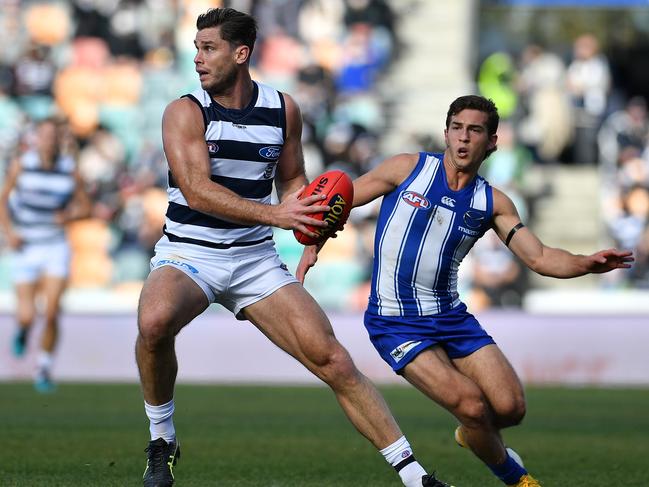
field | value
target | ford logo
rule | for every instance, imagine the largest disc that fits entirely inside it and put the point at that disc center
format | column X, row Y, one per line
column 415, row 199
column 271, row 152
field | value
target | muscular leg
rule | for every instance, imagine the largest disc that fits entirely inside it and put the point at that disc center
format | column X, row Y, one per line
column 25, row 304
column 52, row 288
column 292, row 320
column 481, row 391
column 25, row 313
column 169, row 300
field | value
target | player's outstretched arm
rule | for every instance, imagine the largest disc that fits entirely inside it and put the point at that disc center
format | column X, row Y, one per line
column 548, row 261
column 184, row 144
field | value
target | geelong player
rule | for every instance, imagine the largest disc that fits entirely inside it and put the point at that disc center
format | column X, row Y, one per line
column 42, row 191
column 225, row 144
column 435, row 207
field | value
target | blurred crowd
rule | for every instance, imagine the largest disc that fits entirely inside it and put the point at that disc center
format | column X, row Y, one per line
column 560, row 110
column 110, row 67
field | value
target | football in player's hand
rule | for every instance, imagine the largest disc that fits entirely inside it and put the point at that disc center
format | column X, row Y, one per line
column 339, row 191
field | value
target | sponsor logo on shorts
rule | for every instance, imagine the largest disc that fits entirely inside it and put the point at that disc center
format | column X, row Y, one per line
column 177, row 263
column 398, row 353
column 415, row 199
column 271, row 152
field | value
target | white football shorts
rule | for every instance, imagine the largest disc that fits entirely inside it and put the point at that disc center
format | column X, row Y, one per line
column 235, row 278
column 34, row 260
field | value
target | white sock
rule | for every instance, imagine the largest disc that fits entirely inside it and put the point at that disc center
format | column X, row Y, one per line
column 399, row 454
column 161, row 423
column 44, row 362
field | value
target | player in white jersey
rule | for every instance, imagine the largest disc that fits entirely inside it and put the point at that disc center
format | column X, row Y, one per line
column 435, row 206
column 42, row 191
column 225, row 144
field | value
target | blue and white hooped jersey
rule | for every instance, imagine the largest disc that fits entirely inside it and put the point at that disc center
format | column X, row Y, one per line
column 38, row 195
column 423, row 232
column 244, row 147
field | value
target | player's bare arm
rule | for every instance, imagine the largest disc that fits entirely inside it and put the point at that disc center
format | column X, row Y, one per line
column 11, row 177
column 549, row 261
column 80, row 206
column 383, row 178
column 184, row 144
column 290, row 178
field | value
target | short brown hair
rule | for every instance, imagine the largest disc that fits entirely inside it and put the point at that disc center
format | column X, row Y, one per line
column 237, row 28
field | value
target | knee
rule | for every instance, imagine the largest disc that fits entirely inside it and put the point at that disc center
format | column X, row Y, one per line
column 154, row 329
column 510, row 412
column 473, row 411
column 336, row 368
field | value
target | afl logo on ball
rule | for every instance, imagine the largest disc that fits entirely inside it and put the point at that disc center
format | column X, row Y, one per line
column 415, row 199
column 212, row 147
column 271, row 152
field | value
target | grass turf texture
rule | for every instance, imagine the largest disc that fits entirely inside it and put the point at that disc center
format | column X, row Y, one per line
column 94, row 435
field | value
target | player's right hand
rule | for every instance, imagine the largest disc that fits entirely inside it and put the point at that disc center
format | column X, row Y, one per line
column 293, row 212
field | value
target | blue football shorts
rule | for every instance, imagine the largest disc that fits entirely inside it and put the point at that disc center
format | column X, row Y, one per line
column 399, row 339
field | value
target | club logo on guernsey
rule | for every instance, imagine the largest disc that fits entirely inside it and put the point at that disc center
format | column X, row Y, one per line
column 271, row 152
column 415, row 199
column 398, row 353
column 212, row 147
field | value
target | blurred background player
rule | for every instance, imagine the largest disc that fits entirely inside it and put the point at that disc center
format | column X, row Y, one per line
column 435, row 208
column 41, row 193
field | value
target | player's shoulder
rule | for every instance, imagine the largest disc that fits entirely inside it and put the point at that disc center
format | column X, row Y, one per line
column 404, row 159
column 183, row 112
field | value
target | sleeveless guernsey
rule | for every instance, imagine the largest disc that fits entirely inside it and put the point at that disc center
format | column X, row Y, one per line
column 424, row 230
column 38, row 195
column 244, row 147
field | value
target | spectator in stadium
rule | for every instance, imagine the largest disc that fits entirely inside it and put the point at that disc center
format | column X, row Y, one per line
column 589, row 83
column 435, row 207
column 217, row 244
column 41, row 193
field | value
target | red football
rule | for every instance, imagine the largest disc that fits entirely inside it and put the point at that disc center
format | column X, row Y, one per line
column 338, row 188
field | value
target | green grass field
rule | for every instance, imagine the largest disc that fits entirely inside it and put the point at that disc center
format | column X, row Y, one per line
column 94, row 435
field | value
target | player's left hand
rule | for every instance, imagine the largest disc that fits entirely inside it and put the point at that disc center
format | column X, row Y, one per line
column 610, row 259
column 308, row 260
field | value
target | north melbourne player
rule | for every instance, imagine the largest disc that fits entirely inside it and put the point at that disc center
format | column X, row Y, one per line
column 435, row 207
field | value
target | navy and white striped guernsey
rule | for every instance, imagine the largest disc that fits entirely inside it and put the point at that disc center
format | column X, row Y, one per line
column 38, row 195
column 244, row 147
column 424, row 230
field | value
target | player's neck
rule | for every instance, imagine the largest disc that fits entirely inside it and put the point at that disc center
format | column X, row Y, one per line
column 238, row 96
column 458, row 176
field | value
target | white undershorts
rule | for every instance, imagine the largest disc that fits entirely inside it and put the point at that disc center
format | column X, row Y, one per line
column 235, row 278
column 34, row 260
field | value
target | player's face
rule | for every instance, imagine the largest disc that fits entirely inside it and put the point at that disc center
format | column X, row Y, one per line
column 467, row 139
column 47, row 134
column 216, row 61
